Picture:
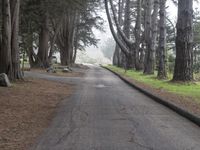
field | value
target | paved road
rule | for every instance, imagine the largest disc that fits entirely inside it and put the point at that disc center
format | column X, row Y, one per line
column 106, row 114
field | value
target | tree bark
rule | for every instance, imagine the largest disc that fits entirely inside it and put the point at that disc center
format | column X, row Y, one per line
column 127, row 20
column 72, row 32
column 184, row 42
column 31, row 55
column 117, row 57
column 54, row 36
column 5, row 55
column 66, row 37
column 16, row 70
column 76, row 36
column 148, row 68
column 0, row 43
column 123, row 34
column 44, row 43
column 123, row 47
column 162, row 72
column 138, row 65
column 127, row 23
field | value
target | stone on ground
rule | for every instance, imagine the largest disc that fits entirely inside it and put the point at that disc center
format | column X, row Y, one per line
column 66, row 70
column 51, row 70
column 4, row 81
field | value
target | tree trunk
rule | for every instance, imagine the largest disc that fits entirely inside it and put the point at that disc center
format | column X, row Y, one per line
column 76, row 37
column 142, row 51
column 117, row 57
column 64, row 56
column 148, row 66
column 184, row 42
column 74, row 55
column 123, row 47
column 127, row 19
column 5, row 54
column 16, row 70
column 162, row 72
column 138, row 66
column 75, row 45
column 30, row 52
column 43, row 43
column 54, row 37
column 66, row 37
column 151, row 45
column 127, row 23
column 0, row 41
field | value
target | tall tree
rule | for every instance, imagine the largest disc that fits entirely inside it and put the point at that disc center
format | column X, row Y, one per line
column 9, row 52
column 138, row 63
column 118, row 54
column 15, row 10
column 162, row 72
column 128, row 60
column 184, row 42
column 43, row 49
column 122, row 46
column 5, row 55
column 150, row 35
column 66, row 37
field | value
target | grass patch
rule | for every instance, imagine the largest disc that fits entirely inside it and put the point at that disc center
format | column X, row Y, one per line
column 191, row 90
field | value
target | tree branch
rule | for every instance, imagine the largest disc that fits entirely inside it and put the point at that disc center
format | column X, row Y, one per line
column 125, row 39
column 124, row 49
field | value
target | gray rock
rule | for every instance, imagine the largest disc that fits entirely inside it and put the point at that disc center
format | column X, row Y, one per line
column 65, row 70
column 4, row 81
column 51, row 70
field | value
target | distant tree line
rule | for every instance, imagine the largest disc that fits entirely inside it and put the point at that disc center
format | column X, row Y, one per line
column 144, row 33
column 40, row 28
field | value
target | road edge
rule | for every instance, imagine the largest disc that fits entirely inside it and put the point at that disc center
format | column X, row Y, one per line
column 193, row 118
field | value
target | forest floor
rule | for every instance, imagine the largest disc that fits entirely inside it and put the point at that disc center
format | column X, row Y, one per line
column 59, row 73
column 77, row 71
column 26, row 109
column 186, row 96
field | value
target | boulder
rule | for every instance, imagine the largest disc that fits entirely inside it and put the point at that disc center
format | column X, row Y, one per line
column 4, row 81
column 51, row 70
column 66, row 70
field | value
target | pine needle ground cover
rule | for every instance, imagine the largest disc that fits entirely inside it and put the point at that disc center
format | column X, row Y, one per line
column 26, row 109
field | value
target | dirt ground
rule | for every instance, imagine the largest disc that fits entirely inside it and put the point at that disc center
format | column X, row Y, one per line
column 26, row 109
column 184, row 102
column 78, row 72
column 60, row 74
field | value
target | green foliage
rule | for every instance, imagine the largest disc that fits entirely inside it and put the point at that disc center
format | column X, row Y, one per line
column 89, row 20
column 191, row 90
column 34, row 11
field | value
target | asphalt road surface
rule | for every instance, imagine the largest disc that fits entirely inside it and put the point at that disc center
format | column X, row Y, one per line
column 104, row 113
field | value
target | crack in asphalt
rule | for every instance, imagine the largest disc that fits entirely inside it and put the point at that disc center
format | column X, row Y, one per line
column 75, row 123
column 72, row 128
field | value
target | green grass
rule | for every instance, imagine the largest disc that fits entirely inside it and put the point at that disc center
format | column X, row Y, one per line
column 191, row 90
